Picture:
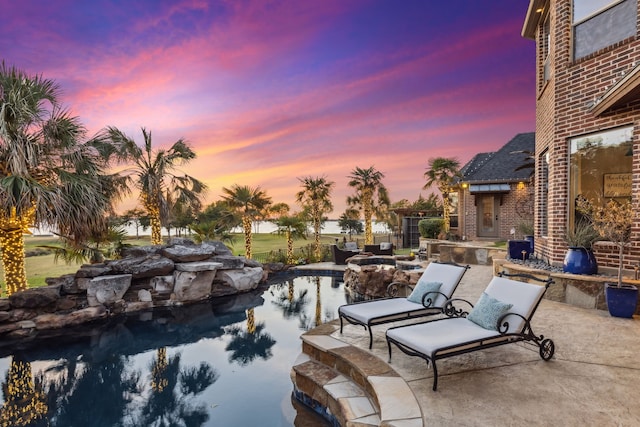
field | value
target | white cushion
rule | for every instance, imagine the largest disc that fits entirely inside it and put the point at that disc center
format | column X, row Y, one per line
column 449, row 275
column 385, row 246
column 429, row 337
column 523, row 296
column 351, row 246
column 364, row 312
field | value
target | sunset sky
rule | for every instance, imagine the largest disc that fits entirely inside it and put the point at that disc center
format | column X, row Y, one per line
column 270, row 91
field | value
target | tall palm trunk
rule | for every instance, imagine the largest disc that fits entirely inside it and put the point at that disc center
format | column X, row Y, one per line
column 316, row 232
column 15, row 274
column 12, row 229
column 445, row 206
column 246, row 226
column 289, row 248
column 367, row 203
column 153, row 210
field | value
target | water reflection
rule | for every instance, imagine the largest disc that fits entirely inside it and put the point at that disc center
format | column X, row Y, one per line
column 183, row 366
column 24, row 402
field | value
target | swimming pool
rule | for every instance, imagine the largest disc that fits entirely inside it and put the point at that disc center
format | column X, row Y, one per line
column 223, row 363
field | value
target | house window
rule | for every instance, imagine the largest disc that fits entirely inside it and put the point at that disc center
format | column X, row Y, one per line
column 546, row 43
column 543, row 189
column 601, row 23
column 453, row 209
column 600, row 167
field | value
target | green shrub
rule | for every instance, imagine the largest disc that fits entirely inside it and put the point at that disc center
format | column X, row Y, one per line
column 431, row 227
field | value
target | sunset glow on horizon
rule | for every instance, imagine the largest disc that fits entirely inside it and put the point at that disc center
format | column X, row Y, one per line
column 267, row 92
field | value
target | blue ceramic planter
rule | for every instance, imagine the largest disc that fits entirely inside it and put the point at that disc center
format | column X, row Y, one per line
column 519, row 249
column 621, row 301
column 579, row 260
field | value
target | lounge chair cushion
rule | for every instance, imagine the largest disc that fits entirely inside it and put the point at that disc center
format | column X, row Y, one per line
column 523, row 296
column 381, row 309
column 429, row 337
column 422, row 288
column 488, row 311
column 385, row 246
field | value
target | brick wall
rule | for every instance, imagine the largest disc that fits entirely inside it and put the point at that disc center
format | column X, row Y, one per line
column 562, row 112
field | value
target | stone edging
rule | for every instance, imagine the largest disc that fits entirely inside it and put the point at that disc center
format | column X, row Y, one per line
column 340, row 377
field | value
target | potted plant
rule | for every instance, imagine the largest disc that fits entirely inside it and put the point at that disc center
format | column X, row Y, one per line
column 525, row 228
column 613, row 222
column 579, row 258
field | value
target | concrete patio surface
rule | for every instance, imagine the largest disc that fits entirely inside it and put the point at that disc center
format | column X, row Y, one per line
column 592, row 380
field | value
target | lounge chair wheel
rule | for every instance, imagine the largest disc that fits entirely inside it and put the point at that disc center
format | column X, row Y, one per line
column 547, row 348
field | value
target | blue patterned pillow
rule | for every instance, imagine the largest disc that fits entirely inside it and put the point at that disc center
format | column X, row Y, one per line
column 488, row 311
column 422, row 288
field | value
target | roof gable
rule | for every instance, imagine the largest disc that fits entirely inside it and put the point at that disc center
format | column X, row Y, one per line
column 501, row 165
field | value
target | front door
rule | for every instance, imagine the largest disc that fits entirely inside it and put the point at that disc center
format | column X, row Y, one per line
column 488, row 206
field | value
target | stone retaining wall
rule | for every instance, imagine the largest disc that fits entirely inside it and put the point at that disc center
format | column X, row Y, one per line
column 580, row 290
column 144, row 278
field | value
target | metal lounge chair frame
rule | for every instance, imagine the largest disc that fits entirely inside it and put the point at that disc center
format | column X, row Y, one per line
column 393, row 308
column 505, row 333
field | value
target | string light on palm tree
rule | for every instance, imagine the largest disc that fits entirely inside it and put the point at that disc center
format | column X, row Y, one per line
column 248, row 202
column 156, row 175
column 315, row 199
column 24, row 403
column 48, row 175
column 371, row 196
column 251, row 321
column 158, row 369
column 442, row 172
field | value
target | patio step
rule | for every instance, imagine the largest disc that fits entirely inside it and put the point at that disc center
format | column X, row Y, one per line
column 351, row 386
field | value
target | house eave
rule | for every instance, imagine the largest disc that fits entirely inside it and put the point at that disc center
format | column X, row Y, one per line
column 535, row 12
column 625, row 90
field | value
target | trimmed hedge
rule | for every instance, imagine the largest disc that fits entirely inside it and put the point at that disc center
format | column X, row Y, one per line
column 430, row 227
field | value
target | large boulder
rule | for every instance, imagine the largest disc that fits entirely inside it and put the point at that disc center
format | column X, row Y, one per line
column 181, row 253
column 192, row 281
column 229, row 262
column 192, row 286
column 107, row 290
column 35, row 297
column 141, row 251
column 93, row 270
column 219, row 248
column 142, row 267
column 242, row 280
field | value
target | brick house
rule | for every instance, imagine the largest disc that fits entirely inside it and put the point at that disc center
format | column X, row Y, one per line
column 495, row 192
column 587, row 115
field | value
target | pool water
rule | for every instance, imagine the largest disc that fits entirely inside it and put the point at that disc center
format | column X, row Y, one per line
column 222, row 363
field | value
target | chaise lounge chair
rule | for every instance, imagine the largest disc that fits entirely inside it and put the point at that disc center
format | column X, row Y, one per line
column 502, row 315
column 434, row 288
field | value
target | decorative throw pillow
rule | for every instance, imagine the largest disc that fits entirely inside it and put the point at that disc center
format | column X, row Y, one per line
column 422, row 288
column 488, row 311
column 385, row 246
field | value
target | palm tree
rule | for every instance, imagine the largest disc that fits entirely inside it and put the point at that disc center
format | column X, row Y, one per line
column 371, row 197
column 247, row 202
column 48, row 177
column 315, row 199
column 292, row 227
column 442, row 172
column 155, row 176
